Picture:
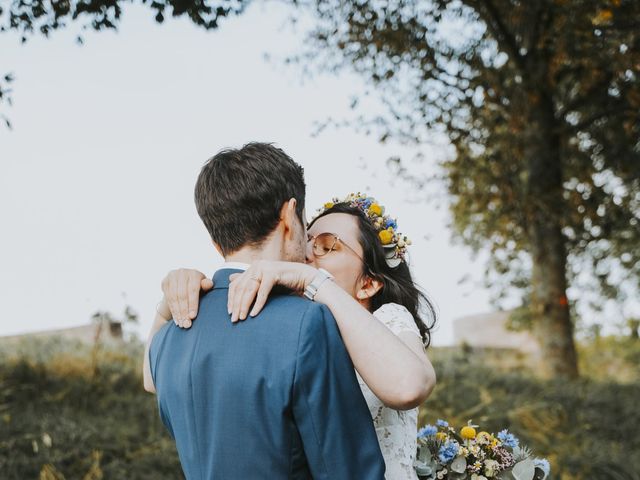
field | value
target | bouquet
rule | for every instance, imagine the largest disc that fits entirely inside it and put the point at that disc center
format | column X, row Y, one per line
column 472, row 455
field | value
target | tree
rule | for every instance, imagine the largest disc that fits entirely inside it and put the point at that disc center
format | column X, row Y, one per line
column 33, row 17
column 541, row 103
column 539, row 100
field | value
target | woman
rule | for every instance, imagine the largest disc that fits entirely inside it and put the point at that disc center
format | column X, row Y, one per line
column 375, row 304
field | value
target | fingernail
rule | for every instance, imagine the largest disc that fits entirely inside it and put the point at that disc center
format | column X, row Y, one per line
column 192, row 313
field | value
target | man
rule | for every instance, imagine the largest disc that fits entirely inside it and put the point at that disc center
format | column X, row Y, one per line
column 275, row 396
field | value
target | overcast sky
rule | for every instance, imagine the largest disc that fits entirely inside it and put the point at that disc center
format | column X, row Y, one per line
column 97, row 176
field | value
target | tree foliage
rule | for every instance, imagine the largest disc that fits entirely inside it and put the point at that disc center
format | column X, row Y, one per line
column 541, row 103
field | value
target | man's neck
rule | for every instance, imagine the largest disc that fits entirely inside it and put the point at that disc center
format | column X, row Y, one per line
column 250, row 255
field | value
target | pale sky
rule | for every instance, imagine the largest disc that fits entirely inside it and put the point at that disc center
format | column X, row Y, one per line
column 97, row 176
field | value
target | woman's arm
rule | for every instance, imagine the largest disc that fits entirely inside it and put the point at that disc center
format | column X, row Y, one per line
column 163, row 315
column 396, row 368
column 181, row 290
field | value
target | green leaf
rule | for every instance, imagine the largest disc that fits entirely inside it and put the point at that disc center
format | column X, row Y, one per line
column 424, row 455
column 459, row 464
column 524, row 470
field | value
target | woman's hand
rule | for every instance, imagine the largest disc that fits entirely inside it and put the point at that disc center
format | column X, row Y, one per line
column 257, row 282
column 181, row 290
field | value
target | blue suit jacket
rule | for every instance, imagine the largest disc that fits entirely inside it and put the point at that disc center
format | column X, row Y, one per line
column 272, row 397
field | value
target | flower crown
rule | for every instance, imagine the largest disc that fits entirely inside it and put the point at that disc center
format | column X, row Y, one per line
column 393, row 242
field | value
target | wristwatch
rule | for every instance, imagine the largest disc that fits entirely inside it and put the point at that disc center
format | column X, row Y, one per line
column 319, row 279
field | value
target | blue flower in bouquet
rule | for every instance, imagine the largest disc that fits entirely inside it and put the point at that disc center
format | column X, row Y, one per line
column 448, row 451
column 427, row 431
column 542, row 464
column 442, row 423
column 508, row 439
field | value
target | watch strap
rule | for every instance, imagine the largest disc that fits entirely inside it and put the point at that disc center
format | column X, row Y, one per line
column 312, row 289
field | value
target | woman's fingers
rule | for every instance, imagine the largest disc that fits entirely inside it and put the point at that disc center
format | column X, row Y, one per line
column 246, row 294
column 185, row 300
column 181, row 289
column 237, row 284
column 193, row 286
column 206, row 284
column 231, row 295
column 183, row 297
column 248, row 297
column 263, row 294
column 169, row 290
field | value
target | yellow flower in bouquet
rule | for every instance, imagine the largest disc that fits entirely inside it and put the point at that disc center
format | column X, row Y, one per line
column 468, row 433
column 484, row 438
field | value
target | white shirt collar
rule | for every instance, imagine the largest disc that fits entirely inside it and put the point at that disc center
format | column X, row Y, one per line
column 233, row 265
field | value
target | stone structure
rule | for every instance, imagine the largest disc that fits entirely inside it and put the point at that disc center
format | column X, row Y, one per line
column 110, row 332
column 489, row 330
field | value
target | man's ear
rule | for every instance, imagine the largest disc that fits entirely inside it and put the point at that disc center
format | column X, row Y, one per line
column 368, row 288
column 289, row 217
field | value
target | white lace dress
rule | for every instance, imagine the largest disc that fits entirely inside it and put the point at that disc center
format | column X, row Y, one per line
column 396, row 429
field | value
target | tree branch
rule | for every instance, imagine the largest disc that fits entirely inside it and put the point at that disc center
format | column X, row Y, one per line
column 499, row 29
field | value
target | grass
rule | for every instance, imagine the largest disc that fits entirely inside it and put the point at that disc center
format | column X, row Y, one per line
column 68, row 411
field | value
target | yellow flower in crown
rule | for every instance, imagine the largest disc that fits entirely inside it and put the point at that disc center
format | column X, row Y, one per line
column 468, row 432
column 441, row 436
column 375, row 209
column 386, row 237
column 328, row 205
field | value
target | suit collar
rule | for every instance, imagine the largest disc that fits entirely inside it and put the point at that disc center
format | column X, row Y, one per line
column 221, row 276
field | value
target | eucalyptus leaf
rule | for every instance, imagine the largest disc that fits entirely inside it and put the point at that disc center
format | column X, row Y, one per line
column 424, row 455
column 424, row 469
column 524, row 470
column 458, row 476
column 505, row 475
column 459, row 464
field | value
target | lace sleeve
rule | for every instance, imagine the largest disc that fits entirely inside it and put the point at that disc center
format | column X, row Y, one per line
column 397, row 318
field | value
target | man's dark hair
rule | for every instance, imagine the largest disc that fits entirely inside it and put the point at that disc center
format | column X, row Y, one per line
column 240, row 192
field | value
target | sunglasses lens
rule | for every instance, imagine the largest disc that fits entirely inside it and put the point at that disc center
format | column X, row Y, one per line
column 323, row 244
